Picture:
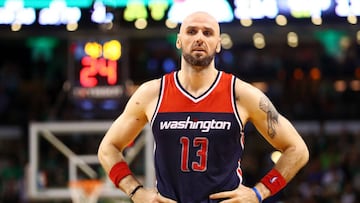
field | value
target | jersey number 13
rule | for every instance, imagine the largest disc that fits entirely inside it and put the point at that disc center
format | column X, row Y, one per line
column 201, row 144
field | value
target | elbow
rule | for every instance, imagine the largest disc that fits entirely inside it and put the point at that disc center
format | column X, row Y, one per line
column 298, row 154
column 307, row 156
column 108, row 154
column 101, row 153
column 304, row 155
column 104, row 152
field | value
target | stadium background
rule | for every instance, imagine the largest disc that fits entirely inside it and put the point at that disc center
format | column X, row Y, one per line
column 311, row 75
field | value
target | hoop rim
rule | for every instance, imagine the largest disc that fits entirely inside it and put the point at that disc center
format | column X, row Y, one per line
column 88, row 186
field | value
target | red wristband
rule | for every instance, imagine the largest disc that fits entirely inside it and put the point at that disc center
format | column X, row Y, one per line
column 274, row 181
column 118, row 172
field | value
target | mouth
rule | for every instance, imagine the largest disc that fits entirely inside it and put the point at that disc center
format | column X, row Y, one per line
column 198, row 50
column 198, row 47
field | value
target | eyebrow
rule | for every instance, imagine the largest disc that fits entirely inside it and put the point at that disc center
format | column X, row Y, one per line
column 206, row 28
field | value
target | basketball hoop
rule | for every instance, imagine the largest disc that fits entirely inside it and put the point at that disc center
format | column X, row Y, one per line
column 85, row 191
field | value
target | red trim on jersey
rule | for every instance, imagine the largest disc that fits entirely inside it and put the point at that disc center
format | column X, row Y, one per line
column 215, row 101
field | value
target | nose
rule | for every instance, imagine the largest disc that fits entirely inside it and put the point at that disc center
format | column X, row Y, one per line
column 200, row 35
column 199, row 42
column 199, row 38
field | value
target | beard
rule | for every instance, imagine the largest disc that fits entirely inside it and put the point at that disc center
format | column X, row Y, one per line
column 197, row 61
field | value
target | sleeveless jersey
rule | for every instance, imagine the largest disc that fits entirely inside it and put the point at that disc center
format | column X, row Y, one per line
column 198, row 140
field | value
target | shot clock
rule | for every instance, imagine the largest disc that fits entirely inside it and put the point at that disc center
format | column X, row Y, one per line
column 96, row 70
column 92, row 69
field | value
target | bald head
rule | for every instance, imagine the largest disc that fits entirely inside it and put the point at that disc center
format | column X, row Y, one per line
column 199, row 39
column 200, row 18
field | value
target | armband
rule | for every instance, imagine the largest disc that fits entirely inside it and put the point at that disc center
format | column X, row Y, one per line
column 274, row 181
column 258, row 195
column 132, row 193
column 119, row 171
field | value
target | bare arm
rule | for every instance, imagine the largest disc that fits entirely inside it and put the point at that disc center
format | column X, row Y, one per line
column 276, row 129
column 255, row 107
column 126, row 128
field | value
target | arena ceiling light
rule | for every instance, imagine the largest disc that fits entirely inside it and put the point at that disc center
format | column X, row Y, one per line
column 220, row 8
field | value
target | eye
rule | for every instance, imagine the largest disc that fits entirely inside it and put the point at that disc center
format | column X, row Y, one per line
column 191, row 31
column 207, row 33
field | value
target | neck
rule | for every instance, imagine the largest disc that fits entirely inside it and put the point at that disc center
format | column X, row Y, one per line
column 196, row 80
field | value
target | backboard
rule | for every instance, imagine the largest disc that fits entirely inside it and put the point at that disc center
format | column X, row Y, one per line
column 60, row 152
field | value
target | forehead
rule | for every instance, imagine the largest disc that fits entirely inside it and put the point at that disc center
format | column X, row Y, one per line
column 202, row 20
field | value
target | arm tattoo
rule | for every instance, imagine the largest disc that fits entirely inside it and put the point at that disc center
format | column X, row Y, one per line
column 271, row 113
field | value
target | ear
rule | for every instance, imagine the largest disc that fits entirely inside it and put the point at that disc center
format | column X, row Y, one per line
column 218, row 47
column 178, row 43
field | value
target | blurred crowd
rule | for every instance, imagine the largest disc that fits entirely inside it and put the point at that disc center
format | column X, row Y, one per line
column 33, row 90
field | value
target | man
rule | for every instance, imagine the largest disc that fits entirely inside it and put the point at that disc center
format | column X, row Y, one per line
column 197, row 115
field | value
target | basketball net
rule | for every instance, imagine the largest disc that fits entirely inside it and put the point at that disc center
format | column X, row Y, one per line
column 85, row 191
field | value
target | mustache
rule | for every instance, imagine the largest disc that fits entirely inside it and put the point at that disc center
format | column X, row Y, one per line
column 198, row 45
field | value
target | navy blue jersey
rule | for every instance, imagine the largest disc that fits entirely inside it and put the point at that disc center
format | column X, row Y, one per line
column 198, row 140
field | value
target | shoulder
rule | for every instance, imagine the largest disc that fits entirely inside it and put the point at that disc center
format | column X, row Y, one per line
column 243, row 88
column 144, row 99
column 248, row 98
column 148, row 89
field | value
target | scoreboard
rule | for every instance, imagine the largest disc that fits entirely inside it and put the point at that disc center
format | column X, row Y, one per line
column 96, row 68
